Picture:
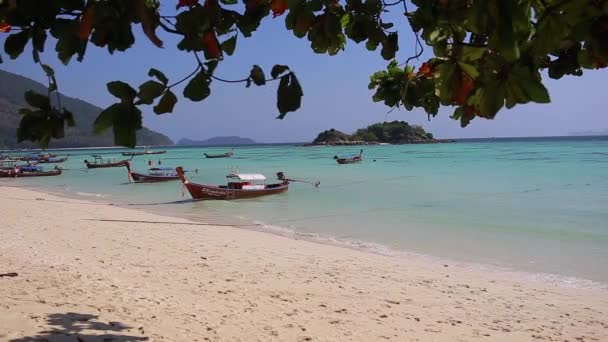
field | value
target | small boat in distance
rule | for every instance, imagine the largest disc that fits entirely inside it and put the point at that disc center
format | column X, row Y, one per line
column 245, row 186
column 142, row 153
column 36, row 156
column 52, row 160
column 156, row 174
column 100, row 162
column 349, row 159
column 220, row 155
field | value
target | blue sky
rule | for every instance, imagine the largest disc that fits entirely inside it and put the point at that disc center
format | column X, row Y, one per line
column 335, row 91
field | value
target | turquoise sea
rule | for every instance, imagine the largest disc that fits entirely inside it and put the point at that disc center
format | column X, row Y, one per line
column 538, row 205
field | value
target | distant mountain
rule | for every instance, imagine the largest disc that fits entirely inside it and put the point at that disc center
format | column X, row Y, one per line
column 217, row 141
column 12, row 88
column 584, row 133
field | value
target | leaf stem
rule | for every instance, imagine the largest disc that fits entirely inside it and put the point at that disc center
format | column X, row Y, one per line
column 185, row 78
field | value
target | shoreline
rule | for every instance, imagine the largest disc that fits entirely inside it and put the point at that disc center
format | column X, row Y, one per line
column 175, row 281
column 547, row 278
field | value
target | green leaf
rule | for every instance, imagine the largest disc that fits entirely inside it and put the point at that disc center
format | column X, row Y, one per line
column 229, row 45
column 105, row 119
column 37, row 100
column 166, row 103
column 126, row 125
column 48, row 70
column 15, row 43
column 536, row 91
column 124, row 118
column 469, row 70
column 289, row 95
column 471, row 54
column 159, row 75
column 491, row 100
column 277, row 70
column 149, row 91
column 38, row 39
column 68, row 117
column 122, row 90
column 198, row 87
column 257, row 76
column 53, row 84
column 390, row 46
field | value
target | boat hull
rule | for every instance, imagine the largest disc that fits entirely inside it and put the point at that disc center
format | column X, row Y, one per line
column 37, row 174
column 52, row 161
column 143, row 153
column 211, row 192
column 349, row 160
column 141, row 178
column 121, row 163
column 212, row 156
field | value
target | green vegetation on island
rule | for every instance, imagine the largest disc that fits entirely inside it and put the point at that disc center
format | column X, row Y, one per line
column 12, row 88
column 395, row 132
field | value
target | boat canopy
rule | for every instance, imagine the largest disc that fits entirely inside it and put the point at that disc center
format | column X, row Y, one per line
column 247, row 176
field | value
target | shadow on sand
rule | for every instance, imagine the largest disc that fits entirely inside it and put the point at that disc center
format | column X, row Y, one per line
column 75, row 327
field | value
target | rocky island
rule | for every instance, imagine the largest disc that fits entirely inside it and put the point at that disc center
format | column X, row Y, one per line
column 395, row 132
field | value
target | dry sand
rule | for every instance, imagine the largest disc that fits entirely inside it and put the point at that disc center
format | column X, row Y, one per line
column 80, row 279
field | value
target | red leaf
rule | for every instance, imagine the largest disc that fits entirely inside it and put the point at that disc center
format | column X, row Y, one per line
column 5, row 28
column 278, row 7
column 426, row 70
column 147, row 24
column 86, row 24
column 210, row 3
column 188, row 3
column 251, row 5
column 212, row 46
column 463, row 86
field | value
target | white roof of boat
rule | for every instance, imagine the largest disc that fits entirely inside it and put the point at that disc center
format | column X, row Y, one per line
column 247, row 176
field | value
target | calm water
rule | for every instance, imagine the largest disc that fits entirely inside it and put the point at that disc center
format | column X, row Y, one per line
column 537, row 205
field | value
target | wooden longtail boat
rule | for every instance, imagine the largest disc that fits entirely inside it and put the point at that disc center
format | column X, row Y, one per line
column 350, row 159
column 142, row 153
column 101, row 163
column 7, row 168
column 220, row 155
column 52, row 160
column 156, row 174
column 245, row 187
column 36, row 156
column 35, row 171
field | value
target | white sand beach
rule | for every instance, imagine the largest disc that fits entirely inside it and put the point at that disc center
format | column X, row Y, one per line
column 80, row 278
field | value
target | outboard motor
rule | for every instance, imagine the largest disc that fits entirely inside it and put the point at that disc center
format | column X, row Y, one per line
column 280, row 176
column 336, row 157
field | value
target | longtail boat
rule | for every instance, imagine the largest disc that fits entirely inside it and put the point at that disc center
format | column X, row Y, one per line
column 156, row 174
column 36, row 156
column 244, row 186
column 349, row 159
column 142, row 153
column 102, row 163
column 7, row 167
column 52, row 160
column 219, row 155
column 35, row 171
